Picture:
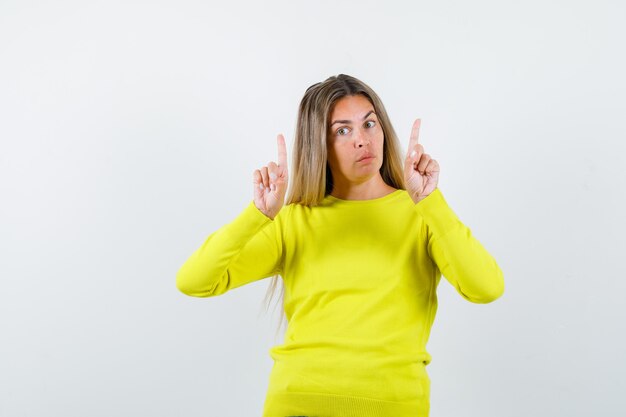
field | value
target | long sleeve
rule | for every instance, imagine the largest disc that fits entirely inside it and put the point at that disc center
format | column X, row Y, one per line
column 460, row 257
column 245, row 250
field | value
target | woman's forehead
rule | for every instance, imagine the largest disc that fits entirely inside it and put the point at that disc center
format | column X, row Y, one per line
column 351, row 108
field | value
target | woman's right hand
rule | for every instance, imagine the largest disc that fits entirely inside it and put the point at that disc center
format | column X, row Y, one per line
column 270, row 183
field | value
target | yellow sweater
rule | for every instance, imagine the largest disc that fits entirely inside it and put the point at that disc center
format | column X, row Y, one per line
column 360, row 296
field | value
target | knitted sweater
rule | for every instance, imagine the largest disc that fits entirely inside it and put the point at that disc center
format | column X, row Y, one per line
column 360, row 297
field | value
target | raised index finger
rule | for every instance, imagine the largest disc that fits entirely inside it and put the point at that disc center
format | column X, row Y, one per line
column 415, row 132
column 282, row 151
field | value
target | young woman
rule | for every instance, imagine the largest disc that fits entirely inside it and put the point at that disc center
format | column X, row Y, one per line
column 361, row 243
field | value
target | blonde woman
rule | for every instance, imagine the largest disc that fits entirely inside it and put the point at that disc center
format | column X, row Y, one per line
column 360, row 242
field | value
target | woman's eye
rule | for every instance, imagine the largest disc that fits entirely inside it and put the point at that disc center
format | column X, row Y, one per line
column 339, row 130
column 372, row 122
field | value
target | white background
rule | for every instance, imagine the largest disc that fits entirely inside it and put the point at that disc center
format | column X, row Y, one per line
column 130, row 130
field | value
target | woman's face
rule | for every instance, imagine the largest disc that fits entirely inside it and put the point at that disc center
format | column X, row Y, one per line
column 354, row 133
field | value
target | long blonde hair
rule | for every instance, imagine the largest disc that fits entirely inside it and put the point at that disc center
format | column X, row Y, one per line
column 310, row 176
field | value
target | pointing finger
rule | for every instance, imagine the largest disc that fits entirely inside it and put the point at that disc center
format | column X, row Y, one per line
column 415, row 132
column 282, row 151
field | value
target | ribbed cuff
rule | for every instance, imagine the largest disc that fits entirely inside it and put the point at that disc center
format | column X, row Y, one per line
column 248, row 222
column 437, row 214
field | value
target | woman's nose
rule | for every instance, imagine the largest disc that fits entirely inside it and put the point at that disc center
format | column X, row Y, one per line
column 361, row 139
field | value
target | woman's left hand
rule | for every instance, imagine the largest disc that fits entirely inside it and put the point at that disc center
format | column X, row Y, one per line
column 421, row 172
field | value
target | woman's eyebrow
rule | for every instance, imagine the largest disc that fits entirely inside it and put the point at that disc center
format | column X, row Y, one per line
column 349, row 121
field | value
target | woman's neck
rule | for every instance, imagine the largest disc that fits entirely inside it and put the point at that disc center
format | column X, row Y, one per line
column 373, row 188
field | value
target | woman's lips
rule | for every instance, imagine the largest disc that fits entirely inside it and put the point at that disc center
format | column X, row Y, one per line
column 369, row 158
